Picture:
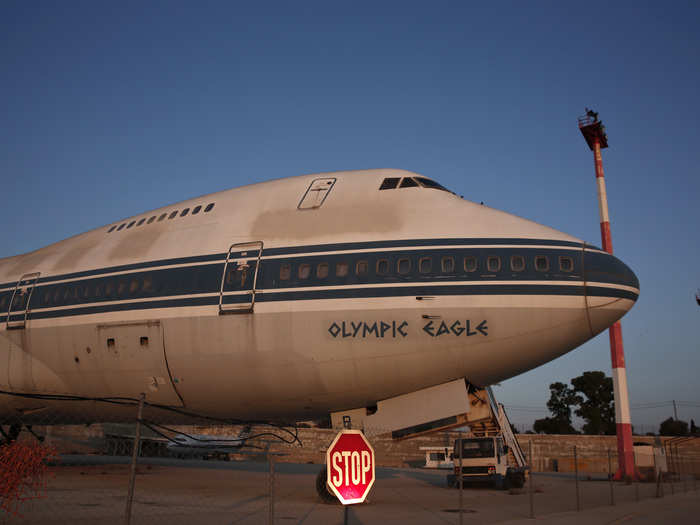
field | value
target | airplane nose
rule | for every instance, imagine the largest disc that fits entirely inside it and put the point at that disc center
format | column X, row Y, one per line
column 611, row 287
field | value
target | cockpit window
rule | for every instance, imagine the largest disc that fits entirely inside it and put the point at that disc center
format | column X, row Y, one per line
column 427, row 183
column 390, row 183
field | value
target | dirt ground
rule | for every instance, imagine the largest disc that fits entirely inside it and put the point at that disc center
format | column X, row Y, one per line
column 93, row 491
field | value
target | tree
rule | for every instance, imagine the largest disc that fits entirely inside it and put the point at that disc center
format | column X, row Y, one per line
column 693, row 429
column 560, row 400
column 673, row 427
column 595, row 400
column 592, row 394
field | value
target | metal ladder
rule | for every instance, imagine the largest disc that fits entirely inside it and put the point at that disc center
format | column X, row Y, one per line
column 506, row 430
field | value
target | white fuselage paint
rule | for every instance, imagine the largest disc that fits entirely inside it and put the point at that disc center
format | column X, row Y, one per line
column 303, row 356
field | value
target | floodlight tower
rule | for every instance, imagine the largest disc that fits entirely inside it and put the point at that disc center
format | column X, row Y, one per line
column 596, row 138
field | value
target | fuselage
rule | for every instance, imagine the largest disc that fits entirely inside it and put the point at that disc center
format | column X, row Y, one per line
column 296, row 297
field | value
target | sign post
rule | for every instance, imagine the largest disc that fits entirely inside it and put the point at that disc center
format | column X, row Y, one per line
column 350, row 466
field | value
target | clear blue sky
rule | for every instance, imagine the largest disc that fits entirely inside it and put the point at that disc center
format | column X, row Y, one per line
column 113, row 108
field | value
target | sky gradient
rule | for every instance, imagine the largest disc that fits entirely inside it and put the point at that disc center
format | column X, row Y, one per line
column 110, row 109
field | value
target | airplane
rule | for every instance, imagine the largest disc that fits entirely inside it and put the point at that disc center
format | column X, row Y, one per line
column 293, row 299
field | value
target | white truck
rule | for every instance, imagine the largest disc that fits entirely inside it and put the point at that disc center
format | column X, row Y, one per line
column 485, row 459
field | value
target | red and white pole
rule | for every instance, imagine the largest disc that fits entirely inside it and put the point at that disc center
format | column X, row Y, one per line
column 625, row 450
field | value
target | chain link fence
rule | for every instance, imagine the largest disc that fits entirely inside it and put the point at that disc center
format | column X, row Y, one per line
column 147, row 470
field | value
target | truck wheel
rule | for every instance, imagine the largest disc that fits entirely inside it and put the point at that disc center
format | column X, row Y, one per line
column 322, row 488
column 516, row 480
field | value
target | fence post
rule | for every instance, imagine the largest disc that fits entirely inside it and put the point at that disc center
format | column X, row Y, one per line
column 134, row 455
column 578, row 502
column 610, row 477
column 271, row 460
column 531, row 484
column 658, row 474
column 461, row 479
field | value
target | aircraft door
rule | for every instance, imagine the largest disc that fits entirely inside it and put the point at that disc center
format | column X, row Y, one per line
column 19, row 303
column 240, row 277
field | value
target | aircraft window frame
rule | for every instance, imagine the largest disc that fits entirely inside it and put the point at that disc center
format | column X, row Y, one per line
column 408, row 182
column 322, row 270
column 172, row 215
column 362, row 268
column 162, row 217
column 400, row 263
column 196, row 209
column 304, row 271
column 489, row 267
column 342, row 269
column 423, row 269
column 471, row 259
column 153, row 218
column 285, row 271
column 570, row 261
column 443, row 266
column 538, row 259
column 517, row 267
column 390, row 183
column 209, row 207
column 184, row 212
column 383, row 267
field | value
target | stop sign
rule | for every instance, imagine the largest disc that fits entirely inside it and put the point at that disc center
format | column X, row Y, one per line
column 350, row 466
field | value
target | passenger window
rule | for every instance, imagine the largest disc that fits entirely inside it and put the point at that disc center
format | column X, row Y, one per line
column 285, row 272
column 196, row 209
column 147, row 284
column 493, row 263
column 362, row 268
column 304, row 271
column 134, row 287
column 121, row 226
column 209, row 207
column 130, row 224
column 173, row 215
column 390, row 183
column 541, row 263
column 470, row 264
column 448, row 264
column 403, row 266
column 425, row 264
column 382, row 267
column 121, row 288
column 341, row 269
column 408, row 182
column 151, row 220
column 184, row 212
column 566, row 264
column 517, row 263
column 322, row 270
column 111, row 229
column 141, row 222
column 162, row 217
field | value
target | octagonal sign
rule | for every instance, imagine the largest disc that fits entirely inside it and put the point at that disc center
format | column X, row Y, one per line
column 350, row 466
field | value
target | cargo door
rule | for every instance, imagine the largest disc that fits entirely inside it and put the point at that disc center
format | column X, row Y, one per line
column 134, row 354
column 240, row 278
column 20, row 301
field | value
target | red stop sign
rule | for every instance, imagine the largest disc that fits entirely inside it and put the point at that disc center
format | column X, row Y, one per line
column 350, row 466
